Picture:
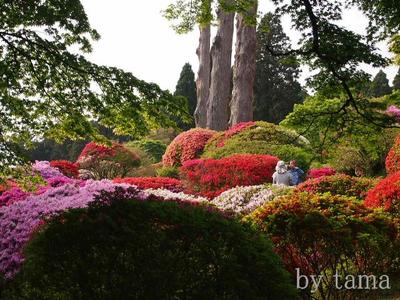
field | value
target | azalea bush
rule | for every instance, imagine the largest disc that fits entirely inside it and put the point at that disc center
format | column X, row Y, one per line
column 122, row 248
column 322, row 234
column 339, row 184
column 386, row 194
column 320, row 172
column 100, row 161
column 186, row 146
column 245, row 199
column 171, row 184
column 211, row 177
column 260, row 138
column 393, row 158
column 66, row 167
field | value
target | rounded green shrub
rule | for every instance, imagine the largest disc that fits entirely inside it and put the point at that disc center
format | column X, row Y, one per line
column 155, row 149
column 149, row 249
column 170, row 172
column 260, row 138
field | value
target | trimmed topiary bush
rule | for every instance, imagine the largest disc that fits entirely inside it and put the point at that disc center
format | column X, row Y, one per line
column 121, row 248
column 210, row 177
column 393, row 158
column 339, row 185
column 102, row 162
column 322, row 234
column 171, row 184
column 186, row 146
column 386, row 194
column 260, row 138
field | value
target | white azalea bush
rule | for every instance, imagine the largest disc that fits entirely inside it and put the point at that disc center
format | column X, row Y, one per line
column 166, row 194
column 243, row 200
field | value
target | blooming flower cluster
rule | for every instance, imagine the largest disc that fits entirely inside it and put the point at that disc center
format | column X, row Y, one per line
column 339, row 184
column 394, row 111
column 171, row 184
column 66, row 167
column 19, row 219
column 186, row 146
column 244, row 199
column 393, row 158
column 386, row 194
column 12, row 195
column 46, row 170
column 320, row 172
column 211, row 177
column 168, row 195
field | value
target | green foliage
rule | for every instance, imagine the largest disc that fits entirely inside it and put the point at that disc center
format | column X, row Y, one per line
column 276, row 87
column 46, row 90
column 396, row 81
column 323, row 234
column 24, row 177
column 170, row 172
column 131, row 249
column 154, row 149
column 380, row 85
column 186, row 87
column 262, row 138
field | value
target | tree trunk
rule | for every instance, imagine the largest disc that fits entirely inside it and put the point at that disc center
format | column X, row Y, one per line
column 244, row 70
column 203, row 77
column 221, row 56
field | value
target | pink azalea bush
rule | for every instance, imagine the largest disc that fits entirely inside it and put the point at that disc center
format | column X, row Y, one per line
column 320, row 172
column 46, row 170
column 394, row 111
column 19, row 219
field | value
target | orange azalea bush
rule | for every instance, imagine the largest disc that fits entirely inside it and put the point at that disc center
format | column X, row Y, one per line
column 393, row 158
column 386, row 194
column 186, row 146
column 210, row 177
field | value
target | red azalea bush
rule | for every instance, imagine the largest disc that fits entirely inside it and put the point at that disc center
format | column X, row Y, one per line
column 210, row 177
column 339, row 184
column 186, row 146
column 393, row 158
column 386, row 194
column 66, row 167
column 320, row 172
column 101, row 161
column 171, row 184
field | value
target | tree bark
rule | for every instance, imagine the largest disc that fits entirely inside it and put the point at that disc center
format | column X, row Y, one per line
column 203, row 77
column 244, row 70
column 221, row 57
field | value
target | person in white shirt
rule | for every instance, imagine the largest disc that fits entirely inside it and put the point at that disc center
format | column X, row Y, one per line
column 281, row 175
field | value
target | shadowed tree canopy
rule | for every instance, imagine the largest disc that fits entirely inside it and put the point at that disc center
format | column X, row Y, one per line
column 396, row 81
column 276, row 86
column 186, row 87
column 380, row 85
column 48, row 88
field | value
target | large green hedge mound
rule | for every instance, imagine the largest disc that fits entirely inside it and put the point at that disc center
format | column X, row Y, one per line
column 151, row 249
column 260, row 138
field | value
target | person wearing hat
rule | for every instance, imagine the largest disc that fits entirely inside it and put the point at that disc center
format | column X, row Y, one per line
column 281, row 175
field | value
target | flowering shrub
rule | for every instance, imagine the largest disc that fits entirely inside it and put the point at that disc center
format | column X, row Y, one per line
column 169, row 195
column 20, row 218
column 171, row 184
column 148, row 250
column 28, row 178
column 320, row 172
column 393, row 111
column 101, row 162
column 211, row 177
column 244, row 199
column 45, row 169
column 393, row 158
column 339, row 185
column 12, row 195
column 259, row 138
column 385, row 194
column 186, row 146
column 66, row 167
column 323, row 233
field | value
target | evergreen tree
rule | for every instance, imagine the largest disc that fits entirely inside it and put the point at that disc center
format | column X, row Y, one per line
column 186, row 87
column 396, row 81
column 276, row 86
column 380, row 85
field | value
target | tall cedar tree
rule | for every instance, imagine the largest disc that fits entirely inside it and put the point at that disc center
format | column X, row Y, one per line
column 276, row 86
column 186, row 87
column 396, row 81
column 380, row 85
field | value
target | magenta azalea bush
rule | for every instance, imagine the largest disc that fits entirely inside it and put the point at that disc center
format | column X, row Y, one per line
column 45, row 170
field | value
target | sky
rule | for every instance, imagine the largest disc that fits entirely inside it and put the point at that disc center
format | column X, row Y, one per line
column 136, row 38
